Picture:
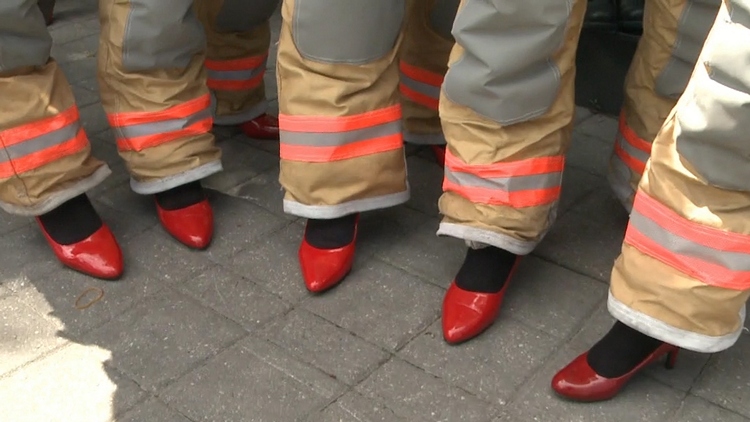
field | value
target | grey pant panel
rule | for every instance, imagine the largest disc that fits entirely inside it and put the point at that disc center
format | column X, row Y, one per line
column 714, row 120
column 244, row 15
column 506, row 72
column 347, row 31
column 695, row 22
column 161, row 34
column 24, row 39
column 442, row 16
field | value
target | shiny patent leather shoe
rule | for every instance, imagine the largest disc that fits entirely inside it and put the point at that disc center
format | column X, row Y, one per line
column 98, row 255
column 262, row 127
column 579, row 382
column 467, row 314
column 322, row 269
column 193, row 225
column 439, row 151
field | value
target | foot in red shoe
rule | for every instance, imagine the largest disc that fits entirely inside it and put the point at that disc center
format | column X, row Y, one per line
column 81, row 241
column 262, row 127
column 185, row 214
column 439, row 151
column 326, row 254
column 603, row 371
column 473, row 300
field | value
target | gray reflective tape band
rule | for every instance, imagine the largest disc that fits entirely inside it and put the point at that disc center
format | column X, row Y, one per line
column 336, row 139
column 42, row 142
column 235, row 75
column 692, row 30
column 166, row 126
column 631, row 150
column 734, row 261
column 507, row 184
column 421, row 87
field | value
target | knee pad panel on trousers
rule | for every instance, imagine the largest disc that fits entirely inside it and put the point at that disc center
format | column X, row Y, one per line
column 24, row 39
column 347, row 31
column 244, row 15
column 697, row 18
column 442, row 15
column 715, row 121
column 161, row 34
column 506, row 72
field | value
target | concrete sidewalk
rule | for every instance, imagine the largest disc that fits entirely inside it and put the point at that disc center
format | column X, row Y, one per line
column 231, row 334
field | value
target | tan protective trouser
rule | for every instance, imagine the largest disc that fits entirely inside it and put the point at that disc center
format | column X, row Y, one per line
column 673, row 35
column 153, row 89
column 506, row 107
column 339, row 102
column 46, row 157
column 238, row 35
column 684, row 273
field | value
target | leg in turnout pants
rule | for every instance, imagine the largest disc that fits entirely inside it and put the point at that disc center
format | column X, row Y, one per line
column 682, row 280
column 153, row 87
column 238, row 35
column 507, row 107
column 46, row 165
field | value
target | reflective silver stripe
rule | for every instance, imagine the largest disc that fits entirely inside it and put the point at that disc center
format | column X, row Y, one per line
column 40, row 143
column 507, row 184
column 421, row 87
column 631, row 150
column 235, row 75
column 319, row 139
column 734, row 261
column 166, row 126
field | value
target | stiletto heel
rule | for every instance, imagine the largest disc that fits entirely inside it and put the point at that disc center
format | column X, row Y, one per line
column 671, row 358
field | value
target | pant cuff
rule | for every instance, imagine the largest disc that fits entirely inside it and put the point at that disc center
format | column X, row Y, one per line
column 155, row 186
column 327, row 212
column 487, row 237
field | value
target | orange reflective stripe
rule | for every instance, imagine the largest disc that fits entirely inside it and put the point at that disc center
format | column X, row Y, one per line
column 420, row 86
column 421, row 75
column 418, row 97
column 40, row 127
column 527, row 167
column 236, row 74
column 333, row 124
column 236, row 64
column 712, row 256
column 636, row 165
column 48, row 155
column 136, row 131
column 343, row 152
column 631, row 137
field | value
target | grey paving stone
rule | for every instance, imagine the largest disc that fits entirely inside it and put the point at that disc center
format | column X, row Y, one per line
column 426, row 184
column 587, row 242
column 381, row 304
column 25, row 334
column 73, row 384
column 263, row 190
column 492, row 366
column 724, row 381
column 379, row 231
column 91, row 84
column 252, row 381
column 241, row 163
column 353, row 407
column 118, row 179
column 418, row 396
column 419, row 251
column 83, row 48
column 152, row 410
column 589, row 153
column 238, row 225
column 124, row 226
column 79, row 69
column 599, row 126
column 552, row 299
column 334, row 350
column 582, row 113
column 576, row 185
column 65, row 31
column 93, row 119
column 234, row 297
column 163, row 337
column 83, row 96
column 26, row 257
column 695, row 409
column 120, row 196
column 9, row 222
column 104, row 147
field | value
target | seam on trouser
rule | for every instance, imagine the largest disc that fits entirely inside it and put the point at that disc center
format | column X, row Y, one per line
column 58, row 198
column 169, row 182
column 346, row 208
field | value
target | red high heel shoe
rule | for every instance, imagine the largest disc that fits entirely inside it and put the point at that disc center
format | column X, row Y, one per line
column 193, row 226
column 98, row 255
column 325, row 268
column 467, row 314
column 579, row 382
column 439, row 151
column 262, row 127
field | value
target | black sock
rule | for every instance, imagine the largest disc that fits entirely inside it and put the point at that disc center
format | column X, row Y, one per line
column 621, row 350
column 71, row 222
column 485, row 270
column 331, row 234
column 180, row 197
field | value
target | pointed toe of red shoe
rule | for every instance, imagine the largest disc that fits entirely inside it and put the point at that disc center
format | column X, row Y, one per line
column 193, row 226
column 324, row 268
column 467, row 314
column 262, row 127
column 579, row 382
column 98, row 255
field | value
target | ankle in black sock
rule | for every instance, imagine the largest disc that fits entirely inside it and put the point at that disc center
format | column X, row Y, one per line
column 71, row 222
column 331, row 234
column 485, row 270
column 181, row 196
column 621, row 350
